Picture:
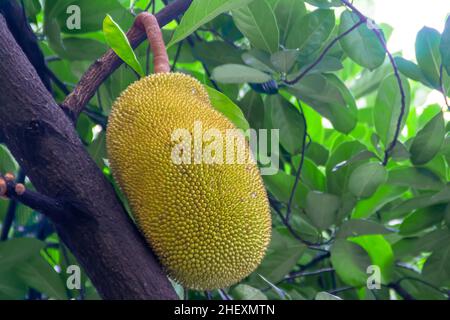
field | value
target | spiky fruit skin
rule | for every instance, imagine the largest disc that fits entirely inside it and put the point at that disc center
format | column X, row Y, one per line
column 209, row 224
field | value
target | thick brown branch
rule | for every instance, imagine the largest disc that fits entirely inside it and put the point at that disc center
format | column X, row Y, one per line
column 103, row 67
column 95, row 227
column 18, row 25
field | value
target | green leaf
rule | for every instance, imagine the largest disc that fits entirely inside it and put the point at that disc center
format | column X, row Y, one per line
column 283, row 61
column 399, row 152
column 252, row 106
column 380, row 253
column 92, row 13
column 361, row 45
column 444, row 47
column 311, row 32
column 329, row 96
column 411, row 247
column 422, row 201
column 258, row 24
column 201, row 12
column 82, row 49
column 282, row 255
column 325, row 3
column 237, row 73
column 417, row 178
column 38, row 274
column 119, row 43
column 322, row 208
column 32, row 8
column 97, row 150
column 366, row 179
column 428, row 141
column 427, row 54
column 216, row 53
column 326, row 65
column 289, row 121
column 224, row 105
column 287, row 13
column 246, row 292
column 447, row 216
column 337, row 178
column 317, row 153
column 281, row 184
column 7, row 162
column 428, row 114
column 15, row 251
column 359, row 227
column 437, row 266
column 326, row 296
column 350, row 262
column 258, row 59
column 385, row 194
column 412, row 71
column 387, row 108
column 422, row 219
column 311, row 175
column 368, row 82
column 11, row 287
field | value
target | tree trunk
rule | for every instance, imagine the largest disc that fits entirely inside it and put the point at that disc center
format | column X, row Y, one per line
column 95, row 225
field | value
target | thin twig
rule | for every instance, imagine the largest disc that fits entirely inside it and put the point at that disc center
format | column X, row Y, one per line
column 205, row 67
column 36, row 201
column 52, row 58
column 324, row 52
column 220, row 36
column 11, row 212
column 315, row 246
column 177, row 55
column 208, row 295
column 60, row 84
column 315, row 261
column 151, row 4
column 300, row 167
column 445, row 292
column 379, row 34
column 342, row 289
column 300, row 274
column 224, row 295
column 302, row 271
column 401, row 291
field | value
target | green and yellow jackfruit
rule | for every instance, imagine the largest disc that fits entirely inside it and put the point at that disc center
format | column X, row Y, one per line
column 209, row 224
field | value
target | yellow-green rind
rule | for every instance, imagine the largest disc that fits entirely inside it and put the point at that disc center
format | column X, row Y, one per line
column 209, row 224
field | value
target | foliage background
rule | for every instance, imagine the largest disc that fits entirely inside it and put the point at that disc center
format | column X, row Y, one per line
column 350, row 209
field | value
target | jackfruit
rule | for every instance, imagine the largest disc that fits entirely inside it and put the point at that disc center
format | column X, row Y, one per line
column 209, row 224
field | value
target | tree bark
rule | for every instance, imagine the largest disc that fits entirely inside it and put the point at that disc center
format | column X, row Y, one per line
column 95, row 225
column 18, row 25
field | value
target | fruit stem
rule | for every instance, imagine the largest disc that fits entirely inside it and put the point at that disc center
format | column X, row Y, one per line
column 149, row 24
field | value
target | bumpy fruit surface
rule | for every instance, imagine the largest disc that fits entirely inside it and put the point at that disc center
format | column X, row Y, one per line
column 209, row 224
